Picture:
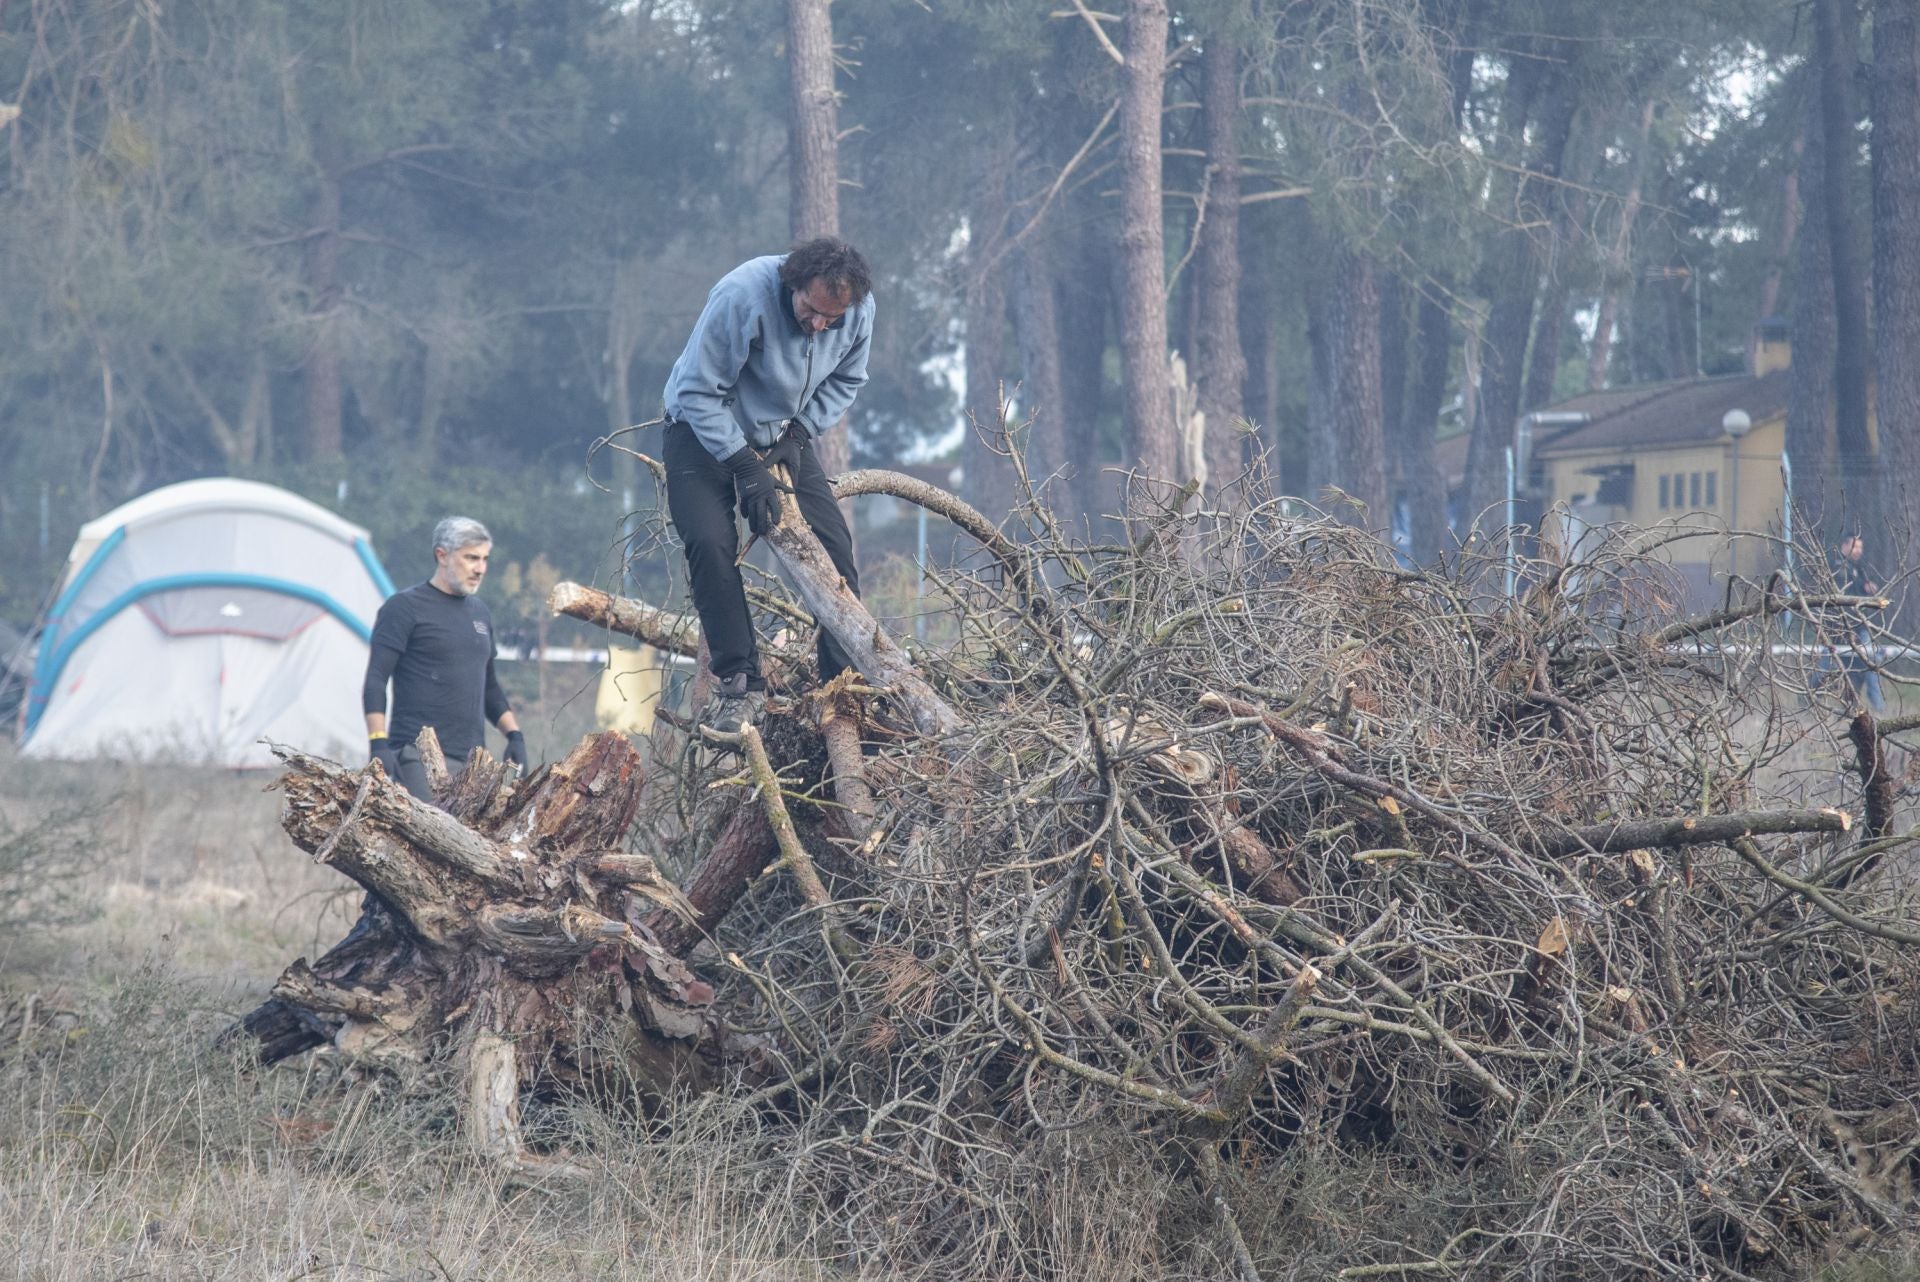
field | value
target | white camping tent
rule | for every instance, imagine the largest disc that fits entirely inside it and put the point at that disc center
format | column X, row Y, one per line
column 200, row 618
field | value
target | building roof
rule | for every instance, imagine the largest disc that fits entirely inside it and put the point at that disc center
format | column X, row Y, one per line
column 1682, row 412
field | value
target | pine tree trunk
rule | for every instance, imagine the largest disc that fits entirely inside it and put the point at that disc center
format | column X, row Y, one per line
column 325, row 388
column 813, row 122
column 1152, row 441
column 1896, row 272
column 1619, row 264
column 1261, row 342
column 1421, row 482
column 1083, row 294
column 1810, row 422
column 1836, row 37
column 1323, row 430
column 1784, row 239
column 1353, row 351
column 1565, row 233
column 1036, row 328
column 813, row 158
column 1543, row 358
column 989, row 474
column 1220, row 365
column 1510, row 321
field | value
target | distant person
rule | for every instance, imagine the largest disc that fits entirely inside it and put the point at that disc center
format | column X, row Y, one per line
column 776, row 358
column 435, row 641
column 1852, row 576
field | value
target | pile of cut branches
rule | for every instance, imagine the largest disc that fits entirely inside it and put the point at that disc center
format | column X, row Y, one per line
column 1385, row 922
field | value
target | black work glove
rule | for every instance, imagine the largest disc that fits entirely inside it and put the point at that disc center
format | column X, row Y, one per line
column 759, row 496
column 792, row 444
column 383, row 751
column 516, row 753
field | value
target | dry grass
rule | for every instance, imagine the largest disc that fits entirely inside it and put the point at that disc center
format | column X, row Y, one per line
column 132, row 1146
column 136, row 1148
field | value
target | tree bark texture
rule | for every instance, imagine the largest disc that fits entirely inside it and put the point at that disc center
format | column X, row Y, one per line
column 1810, row 440
column 1896, row 272
column 1036, row 329
column 1619, row 263
column 1083, row 294
column 1788, row 229
column 834, row 606
column 1510, row 320
column 988, row 472
column 1353, row 352
column 813, row 159
column 1220, row 365
column 1564, row 232
column 1152, row 441
column 1395, row 337
column 1259, row 340
column 325, row 387
column 1422, row 484
column 1836, row 38
column 1323, row 432
column 813, row 122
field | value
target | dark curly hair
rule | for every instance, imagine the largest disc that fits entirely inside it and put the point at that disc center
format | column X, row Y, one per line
column 832, row 260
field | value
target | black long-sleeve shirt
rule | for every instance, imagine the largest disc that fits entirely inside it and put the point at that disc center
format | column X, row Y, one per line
column 438, row 650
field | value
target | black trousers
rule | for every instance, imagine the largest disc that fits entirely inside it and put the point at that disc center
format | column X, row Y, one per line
column 700, row 498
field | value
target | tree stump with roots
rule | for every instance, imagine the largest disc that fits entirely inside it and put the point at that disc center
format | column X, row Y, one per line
column 504, row 926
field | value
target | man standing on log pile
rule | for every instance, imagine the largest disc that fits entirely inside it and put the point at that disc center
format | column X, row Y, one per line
column 776, row 358
column 435, row 641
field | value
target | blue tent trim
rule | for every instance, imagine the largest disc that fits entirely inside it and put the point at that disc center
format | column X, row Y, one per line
column 108, row 546
column 44, row 674
column 374, row 568
column 56, row 650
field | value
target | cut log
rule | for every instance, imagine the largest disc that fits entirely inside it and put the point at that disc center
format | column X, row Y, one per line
column 661, row 629
column 877, row 655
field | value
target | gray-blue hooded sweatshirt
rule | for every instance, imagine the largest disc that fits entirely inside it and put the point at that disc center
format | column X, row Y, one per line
column 749, row 366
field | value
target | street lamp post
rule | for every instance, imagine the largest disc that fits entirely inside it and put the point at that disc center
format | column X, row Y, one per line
column 1786, row 511
column 1736, row 423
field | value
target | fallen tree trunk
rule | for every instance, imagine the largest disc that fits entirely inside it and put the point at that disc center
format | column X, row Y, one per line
column 877, row 655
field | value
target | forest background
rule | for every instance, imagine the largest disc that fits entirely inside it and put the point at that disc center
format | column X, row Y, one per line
column 409, row 258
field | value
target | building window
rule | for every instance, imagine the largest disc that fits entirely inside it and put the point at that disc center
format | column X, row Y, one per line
column 1713, row 489
column 1664, row 505
column 1693, row 490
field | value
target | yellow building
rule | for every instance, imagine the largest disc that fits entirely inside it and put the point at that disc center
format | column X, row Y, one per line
column 1702, row 452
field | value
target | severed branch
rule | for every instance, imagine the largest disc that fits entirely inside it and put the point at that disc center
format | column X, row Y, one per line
column 877, row 655
column 793, row 855
column 743, row 847
column 1747, row 850
column 955, row 509
column 1768, row 604
column 1691, row 830
column 661, row 629
column 840, row 730
column 1877, row 788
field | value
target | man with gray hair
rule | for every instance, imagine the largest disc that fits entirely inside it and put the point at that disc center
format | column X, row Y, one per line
column 434, row 640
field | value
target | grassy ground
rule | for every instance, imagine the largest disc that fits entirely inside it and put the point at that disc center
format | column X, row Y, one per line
column 132, row 1146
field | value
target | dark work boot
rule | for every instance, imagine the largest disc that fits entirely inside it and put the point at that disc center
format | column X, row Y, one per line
column 734, row 702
